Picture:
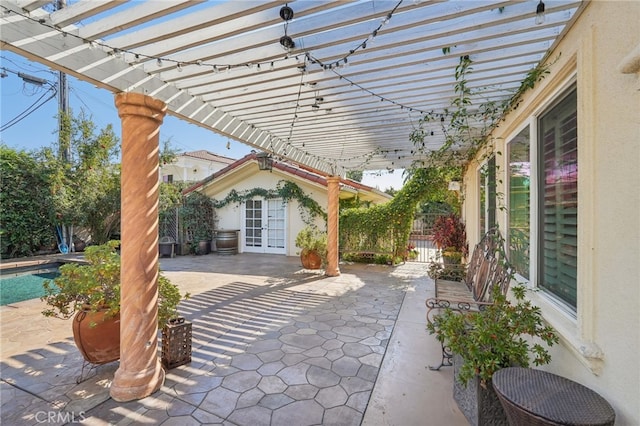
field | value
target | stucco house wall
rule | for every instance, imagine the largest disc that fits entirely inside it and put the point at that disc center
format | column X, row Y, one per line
column 230, row 216
column 193, row 166
column 600, row 341
column 245, row 175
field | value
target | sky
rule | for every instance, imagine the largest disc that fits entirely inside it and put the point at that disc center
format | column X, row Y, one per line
column 28, row 120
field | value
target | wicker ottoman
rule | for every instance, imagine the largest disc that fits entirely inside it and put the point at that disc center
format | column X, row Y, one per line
column 535, row 397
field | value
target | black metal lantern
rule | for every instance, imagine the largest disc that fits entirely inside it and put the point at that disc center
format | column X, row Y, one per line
column 286, row 13
column 287, row 42
column 265, row 162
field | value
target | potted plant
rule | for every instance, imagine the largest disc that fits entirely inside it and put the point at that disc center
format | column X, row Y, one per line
column 446, row 271
column 314, row 247
column 91, row 294
column 78, row 243
column 412, row 252
column 449, row 235
column 486, row 340
column 202, row 241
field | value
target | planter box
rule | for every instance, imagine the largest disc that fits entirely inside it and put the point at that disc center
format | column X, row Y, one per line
column 176, row 343
column 167, row 249
column 480, row 405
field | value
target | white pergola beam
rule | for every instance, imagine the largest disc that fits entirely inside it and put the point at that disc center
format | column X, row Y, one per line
column 374, row 104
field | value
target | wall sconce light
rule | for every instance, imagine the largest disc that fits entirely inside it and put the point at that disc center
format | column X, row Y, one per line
column 265, row 161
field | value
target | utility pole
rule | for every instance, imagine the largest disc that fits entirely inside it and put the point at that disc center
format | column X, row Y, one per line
column 64, row 136
column 63, row 105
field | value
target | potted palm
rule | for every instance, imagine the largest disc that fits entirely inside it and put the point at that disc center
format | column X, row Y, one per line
column 486, row 340
column 90, row 293
column 314, row 247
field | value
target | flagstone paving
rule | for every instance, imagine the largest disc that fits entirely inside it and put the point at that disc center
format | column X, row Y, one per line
column 272, row 345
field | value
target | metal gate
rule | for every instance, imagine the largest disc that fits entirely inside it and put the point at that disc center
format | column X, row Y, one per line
column 426, row 251
column 420, row 238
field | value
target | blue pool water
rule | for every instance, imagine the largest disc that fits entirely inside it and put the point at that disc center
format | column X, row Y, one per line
column 24, row 285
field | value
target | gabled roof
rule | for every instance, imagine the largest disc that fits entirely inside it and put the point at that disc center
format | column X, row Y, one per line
column 304, row 173
column 203, row 154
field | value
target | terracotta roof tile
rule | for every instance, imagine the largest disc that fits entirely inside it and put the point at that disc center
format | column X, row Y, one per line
column 208, row 155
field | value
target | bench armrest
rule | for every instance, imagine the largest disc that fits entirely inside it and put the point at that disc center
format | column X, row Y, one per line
column 458, row 305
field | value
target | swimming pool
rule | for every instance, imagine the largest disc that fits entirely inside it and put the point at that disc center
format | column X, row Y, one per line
column 19, row 284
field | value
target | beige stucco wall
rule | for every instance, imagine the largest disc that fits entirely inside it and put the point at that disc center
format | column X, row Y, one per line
column 190, row 169
column 600, row 347
column 249, row 177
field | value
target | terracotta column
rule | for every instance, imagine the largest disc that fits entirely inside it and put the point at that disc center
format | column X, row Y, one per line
column 333, row 194
column 140, row 373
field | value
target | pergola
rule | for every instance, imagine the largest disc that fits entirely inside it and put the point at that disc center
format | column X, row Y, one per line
column 332, row 85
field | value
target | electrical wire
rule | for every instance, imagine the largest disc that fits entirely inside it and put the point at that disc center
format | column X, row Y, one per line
column 29, row 110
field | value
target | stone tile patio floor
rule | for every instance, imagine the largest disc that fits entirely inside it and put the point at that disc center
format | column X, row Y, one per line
column 272, row 344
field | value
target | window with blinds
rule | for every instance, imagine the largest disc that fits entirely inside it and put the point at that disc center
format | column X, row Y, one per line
column 519, row 202
column 558, row 182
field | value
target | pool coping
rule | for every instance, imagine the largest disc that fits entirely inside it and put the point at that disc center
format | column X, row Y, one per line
column 8, row 264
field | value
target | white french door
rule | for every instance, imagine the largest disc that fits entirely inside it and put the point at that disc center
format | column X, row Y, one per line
column 264, row 226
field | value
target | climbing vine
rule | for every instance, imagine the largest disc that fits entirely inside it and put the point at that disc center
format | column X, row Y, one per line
column 287, row 190
column 383, row 229
column 466, row 126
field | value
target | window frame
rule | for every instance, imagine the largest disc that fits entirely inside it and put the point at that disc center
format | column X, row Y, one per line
column 525, row 128
column 488, row 208
column 576, row 328
column 539, row 200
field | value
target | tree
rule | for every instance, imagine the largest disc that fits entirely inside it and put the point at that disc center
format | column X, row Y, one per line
column 26, row 204
column 438, row 197
column 355, row 175
column 391, row 191
column 86, row 189
column 168, row 153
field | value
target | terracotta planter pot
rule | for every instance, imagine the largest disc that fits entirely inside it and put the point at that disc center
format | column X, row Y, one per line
column 79, row 245
column 310, row 259
column 98, row 344
column 204, row 247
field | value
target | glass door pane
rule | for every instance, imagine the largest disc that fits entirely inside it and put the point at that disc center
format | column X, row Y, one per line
column 275, row 225
column 253, row 223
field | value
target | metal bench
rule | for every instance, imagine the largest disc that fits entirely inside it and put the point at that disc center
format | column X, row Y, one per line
column 487, row 269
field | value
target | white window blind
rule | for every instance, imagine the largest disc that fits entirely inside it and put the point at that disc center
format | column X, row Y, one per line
column 558, row 139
